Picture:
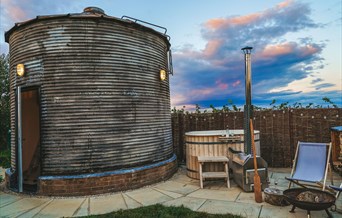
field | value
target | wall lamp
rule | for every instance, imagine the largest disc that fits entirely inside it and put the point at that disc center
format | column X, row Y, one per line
column 20, row 69
column 162, row 74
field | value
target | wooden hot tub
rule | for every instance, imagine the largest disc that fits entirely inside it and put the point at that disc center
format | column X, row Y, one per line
column 213, row 143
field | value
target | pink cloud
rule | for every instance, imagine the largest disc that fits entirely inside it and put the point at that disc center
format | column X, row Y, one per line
column 284, row 4
column 219, row 23
column 204, row 91
column 275, row 50
column 309, row 50
column 236, row 83
column 212, row 47
column 177, row 99
column 279, row 49
column 14, row 10
column 221, row 85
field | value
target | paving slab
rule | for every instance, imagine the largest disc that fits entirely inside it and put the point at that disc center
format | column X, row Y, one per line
column 6, row 199
column 194, row 182
column 276, row 175
column 61, row 208
column 20, row 207
column 106, row 204
column 248, row 197
column 280, row 170
column 269, row 211
column 33, row 212
column 279, row 183
column 148, row 196
column 215, row 184
column 130, row 202
column 189, row 202
column 83, row 210
column 223, row 207
column 230, row 195
column 177, row 187
column 169, row 193
column 183, row 178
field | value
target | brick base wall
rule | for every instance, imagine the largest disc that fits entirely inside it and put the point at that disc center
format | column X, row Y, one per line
column 105, row 183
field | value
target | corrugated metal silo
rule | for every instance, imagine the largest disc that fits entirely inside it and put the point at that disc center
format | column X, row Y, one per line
column 100, row 106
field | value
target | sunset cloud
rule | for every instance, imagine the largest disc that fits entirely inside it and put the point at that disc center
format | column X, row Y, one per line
column 14, row 10
column 284, row 4
column 221, row 85
column 219, row 23
column 219, row 70
column 236, row 83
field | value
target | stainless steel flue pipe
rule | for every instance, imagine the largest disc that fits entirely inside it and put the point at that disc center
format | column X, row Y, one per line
column 248, row 105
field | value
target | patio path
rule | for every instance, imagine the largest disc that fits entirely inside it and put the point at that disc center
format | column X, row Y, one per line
column 179, row 190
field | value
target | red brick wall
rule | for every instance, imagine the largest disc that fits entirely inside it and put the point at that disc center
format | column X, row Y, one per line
column 105, row 184
column 280, row 130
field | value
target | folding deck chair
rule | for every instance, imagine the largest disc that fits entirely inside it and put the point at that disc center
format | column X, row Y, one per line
column 311, row 165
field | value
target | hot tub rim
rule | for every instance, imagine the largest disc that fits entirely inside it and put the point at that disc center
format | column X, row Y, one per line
column 217, row 132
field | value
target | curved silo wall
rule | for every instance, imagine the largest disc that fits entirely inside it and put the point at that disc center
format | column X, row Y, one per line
column 103, row 106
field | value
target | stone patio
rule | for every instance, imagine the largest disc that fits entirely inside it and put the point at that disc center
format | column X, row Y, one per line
column 179, row 190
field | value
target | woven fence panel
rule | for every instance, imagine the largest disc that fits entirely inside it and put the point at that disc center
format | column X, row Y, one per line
column 280, row 130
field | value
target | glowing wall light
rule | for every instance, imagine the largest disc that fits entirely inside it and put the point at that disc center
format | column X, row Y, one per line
column 162, row 74
column 20, row 69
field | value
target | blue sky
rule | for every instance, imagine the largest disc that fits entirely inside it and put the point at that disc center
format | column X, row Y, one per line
column 296, row 55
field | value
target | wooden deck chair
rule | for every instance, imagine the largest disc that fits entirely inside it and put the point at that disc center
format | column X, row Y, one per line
column 311, row 165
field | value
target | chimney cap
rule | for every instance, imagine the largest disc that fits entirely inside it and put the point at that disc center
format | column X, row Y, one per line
column 247, row 48
column 94, row 10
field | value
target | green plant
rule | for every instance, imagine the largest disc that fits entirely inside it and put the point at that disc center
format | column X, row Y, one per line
column 235, row 108
column 283, row 105
column 309, row 105
column 162, row 211
column 225, row 108
column 214, row 110
column 327, row 100
column 4, row 100
column 178, row 111
column 297, row 105
column 198, row 108
column 5, row 158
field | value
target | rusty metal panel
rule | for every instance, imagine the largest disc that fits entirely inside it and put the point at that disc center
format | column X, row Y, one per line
column 103, row 106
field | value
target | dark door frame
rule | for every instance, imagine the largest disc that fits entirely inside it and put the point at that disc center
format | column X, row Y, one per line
column 18, row 161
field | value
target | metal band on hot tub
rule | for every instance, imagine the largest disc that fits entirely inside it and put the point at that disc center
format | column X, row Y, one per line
column 215, row 143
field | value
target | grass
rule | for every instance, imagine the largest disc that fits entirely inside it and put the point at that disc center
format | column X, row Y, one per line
column 161, row 211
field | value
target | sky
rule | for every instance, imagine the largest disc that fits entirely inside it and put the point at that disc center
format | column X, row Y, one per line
column 296, row 56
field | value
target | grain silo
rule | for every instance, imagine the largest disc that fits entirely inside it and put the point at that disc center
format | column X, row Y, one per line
column 90, row 112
